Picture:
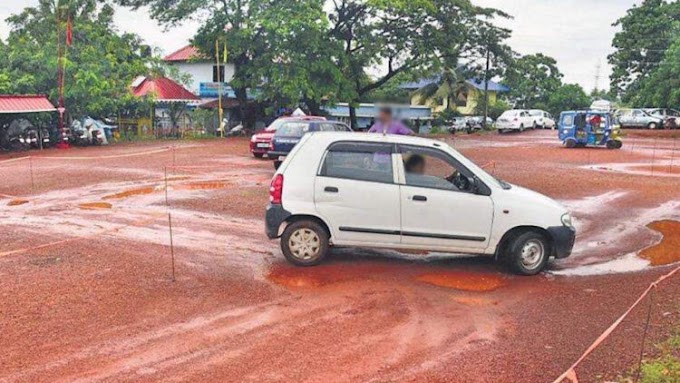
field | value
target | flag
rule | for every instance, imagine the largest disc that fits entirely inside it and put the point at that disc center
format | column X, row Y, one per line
column 69, row 32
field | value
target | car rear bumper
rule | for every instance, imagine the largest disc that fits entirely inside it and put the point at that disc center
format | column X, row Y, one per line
column 275, row 155
column 274, row 217
column 563, row 238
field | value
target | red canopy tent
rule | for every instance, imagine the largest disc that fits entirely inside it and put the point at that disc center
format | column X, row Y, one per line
column 17, row 104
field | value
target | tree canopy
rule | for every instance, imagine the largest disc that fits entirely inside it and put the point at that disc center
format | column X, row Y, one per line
column 100, row 64
column 647, row 32
column 532, row 79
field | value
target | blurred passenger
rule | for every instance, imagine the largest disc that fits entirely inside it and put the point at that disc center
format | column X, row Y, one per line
column 388, row 125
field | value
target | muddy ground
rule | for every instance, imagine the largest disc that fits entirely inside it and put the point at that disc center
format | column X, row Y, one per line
column 87, row 290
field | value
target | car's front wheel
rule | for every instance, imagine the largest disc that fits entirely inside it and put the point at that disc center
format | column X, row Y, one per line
column 304, row 243
column 528, row 253
column 652, row 125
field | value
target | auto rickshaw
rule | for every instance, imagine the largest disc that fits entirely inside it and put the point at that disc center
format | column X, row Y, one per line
column 589, row 127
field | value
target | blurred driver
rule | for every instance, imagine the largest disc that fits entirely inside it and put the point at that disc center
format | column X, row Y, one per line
column 387, row 125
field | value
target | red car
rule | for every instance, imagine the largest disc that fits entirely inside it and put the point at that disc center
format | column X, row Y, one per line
column 260, row 142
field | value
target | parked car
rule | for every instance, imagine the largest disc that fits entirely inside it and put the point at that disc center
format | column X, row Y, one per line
column 544, row 120
column 457, row 124
column 515, row 119
column 291, row 131
column 638, row 118
column 405, row 192
column 260, row 142
column 475, row 122
column 664, row 113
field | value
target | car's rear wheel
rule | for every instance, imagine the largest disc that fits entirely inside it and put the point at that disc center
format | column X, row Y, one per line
column 528, row 253
column 304, row 243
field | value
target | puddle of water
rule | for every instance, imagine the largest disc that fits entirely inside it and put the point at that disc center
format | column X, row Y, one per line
column 295, row 277
column 17, row 202
column 626, row 264
column 130, row 193
column 465, row 281
column 207, row 185
column 95, row 205
column 475, row 301
column 668, row 250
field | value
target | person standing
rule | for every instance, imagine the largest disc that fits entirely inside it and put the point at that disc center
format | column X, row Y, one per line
column 388, row 125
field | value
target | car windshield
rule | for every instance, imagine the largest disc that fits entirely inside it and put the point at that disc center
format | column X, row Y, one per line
column 508, row 114
column 292, row 129
column 535, row 112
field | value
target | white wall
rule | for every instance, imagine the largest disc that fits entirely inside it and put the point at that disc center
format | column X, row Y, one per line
column 202, row 72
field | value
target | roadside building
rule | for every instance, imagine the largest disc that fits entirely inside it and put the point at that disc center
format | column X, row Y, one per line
column 417, row 116
column 171, row 103
column 465, row 102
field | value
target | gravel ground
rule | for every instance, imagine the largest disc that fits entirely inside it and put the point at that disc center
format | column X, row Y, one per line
column 86, row 273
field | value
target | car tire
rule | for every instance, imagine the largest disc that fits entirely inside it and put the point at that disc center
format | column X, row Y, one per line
column 535, row 126
column 501, row 131
column 258, row 155
column 304, row 243
column 521, row 128
column 277, row 165
column 652, row 125
column 528, row 253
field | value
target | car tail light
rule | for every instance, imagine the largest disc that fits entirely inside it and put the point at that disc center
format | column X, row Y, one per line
column 276, row 189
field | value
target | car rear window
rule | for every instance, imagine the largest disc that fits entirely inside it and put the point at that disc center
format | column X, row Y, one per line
column 293, row 129
column 359, row 161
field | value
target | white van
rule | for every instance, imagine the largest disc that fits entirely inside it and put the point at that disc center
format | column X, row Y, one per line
column 404, row 192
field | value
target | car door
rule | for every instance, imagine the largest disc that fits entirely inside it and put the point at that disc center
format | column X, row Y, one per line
column 356, row 194
column 435, row 213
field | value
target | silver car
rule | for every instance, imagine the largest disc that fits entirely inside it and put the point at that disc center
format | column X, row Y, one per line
column 638, row 118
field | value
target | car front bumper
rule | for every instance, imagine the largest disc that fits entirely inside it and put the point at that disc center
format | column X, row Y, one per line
column 563, row 239
column 274, row 217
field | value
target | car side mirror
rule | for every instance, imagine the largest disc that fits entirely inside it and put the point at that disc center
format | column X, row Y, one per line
column 474, row 184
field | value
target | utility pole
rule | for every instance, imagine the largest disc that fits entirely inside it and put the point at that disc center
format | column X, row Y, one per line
column 486, row 86
column 597, row 78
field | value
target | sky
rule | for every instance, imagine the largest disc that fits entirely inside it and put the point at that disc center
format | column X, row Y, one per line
column 577, row 33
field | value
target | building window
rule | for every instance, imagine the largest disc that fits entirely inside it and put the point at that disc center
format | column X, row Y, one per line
column 221, row 73
column 461, row 99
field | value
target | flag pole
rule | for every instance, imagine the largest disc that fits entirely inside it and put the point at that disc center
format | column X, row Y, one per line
column 220, row 112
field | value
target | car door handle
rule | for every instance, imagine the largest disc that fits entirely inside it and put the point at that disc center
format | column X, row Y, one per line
column 420, row 198
column 331, row 189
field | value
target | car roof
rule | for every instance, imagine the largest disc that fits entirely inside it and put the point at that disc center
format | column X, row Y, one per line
column 373, row 137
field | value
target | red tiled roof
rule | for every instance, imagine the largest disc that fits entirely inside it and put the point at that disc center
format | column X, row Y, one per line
column 25, row 104
column 185, row 54
column 164, row 89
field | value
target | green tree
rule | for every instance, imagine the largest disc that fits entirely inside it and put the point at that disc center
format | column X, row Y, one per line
column 567, row 97
column 100, row 64
column 532, row 79
column 404, row 36
column 662, row 87
column 646, row 33
column 280, row 41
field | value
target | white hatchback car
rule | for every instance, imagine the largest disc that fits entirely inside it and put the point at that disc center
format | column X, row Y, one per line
column 404, row 192
column 516, row 119
column 544, row 120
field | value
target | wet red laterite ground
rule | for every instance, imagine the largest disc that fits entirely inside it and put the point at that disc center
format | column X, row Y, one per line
column 87, row 291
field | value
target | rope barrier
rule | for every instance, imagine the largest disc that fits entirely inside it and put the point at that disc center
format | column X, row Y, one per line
column 571, row 372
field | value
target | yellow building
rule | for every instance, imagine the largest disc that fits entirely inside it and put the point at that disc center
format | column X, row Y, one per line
column 466, row 101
